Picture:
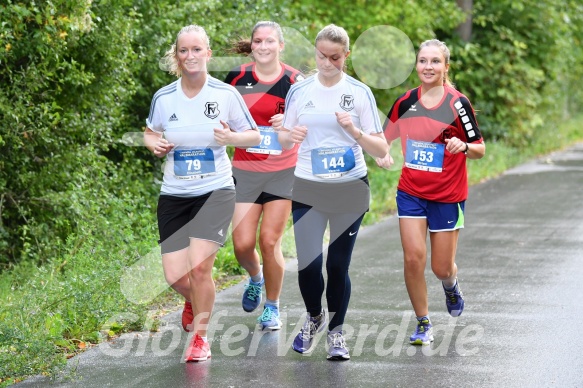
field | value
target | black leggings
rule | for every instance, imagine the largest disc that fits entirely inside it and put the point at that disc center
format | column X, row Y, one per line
column 309, row 228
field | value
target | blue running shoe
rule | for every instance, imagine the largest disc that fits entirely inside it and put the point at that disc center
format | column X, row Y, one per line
column 337, row 350
column 252, row 295
column 454, row 300
column 423, row 334
column 269, row 320
column 304, row 341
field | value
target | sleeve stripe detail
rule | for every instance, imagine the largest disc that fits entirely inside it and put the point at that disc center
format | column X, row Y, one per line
column 369, row 95
column 295, row 87
column 162, row 92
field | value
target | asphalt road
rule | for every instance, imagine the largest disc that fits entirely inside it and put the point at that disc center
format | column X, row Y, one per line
column 520, row 261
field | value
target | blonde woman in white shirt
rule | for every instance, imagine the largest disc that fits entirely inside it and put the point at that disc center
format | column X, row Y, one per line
column 333, row 117
column 191, row 122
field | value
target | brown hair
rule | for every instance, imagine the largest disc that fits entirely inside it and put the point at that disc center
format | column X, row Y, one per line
column 243, row 46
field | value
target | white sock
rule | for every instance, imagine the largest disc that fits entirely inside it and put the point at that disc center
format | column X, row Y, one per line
column 449, row 284
column 257, row 278
column 272, row 302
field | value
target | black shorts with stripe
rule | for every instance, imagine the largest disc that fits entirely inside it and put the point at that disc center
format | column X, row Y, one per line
column 206, row 217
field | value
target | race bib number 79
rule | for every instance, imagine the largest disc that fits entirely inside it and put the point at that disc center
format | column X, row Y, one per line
column 194, row 164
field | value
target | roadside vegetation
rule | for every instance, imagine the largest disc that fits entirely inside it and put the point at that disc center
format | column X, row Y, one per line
column 78, row 199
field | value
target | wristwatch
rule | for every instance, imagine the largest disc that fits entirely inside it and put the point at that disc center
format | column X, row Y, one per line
column 361, row 135
column 467, row 148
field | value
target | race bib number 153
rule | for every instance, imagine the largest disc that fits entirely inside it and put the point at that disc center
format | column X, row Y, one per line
column 426, row 156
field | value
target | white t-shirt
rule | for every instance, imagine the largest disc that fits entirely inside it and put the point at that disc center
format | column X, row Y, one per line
column 197, row 165
column 329, row 153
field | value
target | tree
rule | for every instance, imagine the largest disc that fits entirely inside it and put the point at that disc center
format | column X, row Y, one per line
column 464, row 30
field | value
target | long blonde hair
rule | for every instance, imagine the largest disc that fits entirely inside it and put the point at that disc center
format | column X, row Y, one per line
column 169, row 61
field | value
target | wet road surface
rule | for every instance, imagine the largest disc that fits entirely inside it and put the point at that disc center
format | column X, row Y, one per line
column 520, row 260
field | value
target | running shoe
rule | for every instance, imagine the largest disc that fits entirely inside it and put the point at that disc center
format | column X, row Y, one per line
column 304, row 341
column 269, row 320
column 423, row 334
column 337, row 350
column 454, row 300
column 198, row 350
column 187, row 315
column 252, row 295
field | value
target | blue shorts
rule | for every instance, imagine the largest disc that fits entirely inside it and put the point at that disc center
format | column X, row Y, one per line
column 440, row 216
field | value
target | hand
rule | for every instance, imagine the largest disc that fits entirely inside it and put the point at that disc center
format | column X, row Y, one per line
column 345, row 121
column 455, row 145
column 276, row 122
column 162, row 147
column 223, row 135
column 385, row 162
column 298, row 134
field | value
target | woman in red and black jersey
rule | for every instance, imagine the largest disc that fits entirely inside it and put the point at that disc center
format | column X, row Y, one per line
column 438, row 131
column 263, row 174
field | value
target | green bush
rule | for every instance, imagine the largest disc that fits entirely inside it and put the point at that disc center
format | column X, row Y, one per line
column 63, row 76
column 516, row 73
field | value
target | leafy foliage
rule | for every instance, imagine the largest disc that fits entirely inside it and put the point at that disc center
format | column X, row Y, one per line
column 517, row 71
column 411, row 17
column 517, row 74
column 64, row 79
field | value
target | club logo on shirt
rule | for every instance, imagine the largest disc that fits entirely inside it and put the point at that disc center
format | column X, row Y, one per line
column 211, row 110
column 173, row 117
column 279, row 109
column 347, row 102
column 446, row 133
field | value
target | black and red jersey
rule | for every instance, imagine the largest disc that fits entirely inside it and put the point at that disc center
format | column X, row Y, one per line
column 264, row 99
column 415, row 124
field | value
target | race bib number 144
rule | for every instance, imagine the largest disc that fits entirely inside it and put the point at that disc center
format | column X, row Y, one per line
column 332, row 162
